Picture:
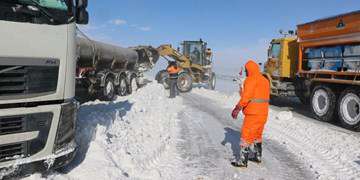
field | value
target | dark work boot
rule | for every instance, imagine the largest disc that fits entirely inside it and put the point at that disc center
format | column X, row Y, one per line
column 257, row 153
column 242, row 161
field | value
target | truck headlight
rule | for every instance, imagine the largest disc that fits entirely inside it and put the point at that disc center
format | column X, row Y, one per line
column 66, row 128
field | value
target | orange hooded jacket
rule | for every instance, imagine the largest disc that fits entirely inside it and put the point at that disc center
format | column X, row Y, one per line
column 255, row 95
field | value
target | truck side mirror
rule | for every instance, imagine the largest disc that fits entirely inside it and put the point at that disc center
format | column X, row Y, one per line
column 82, row 16
column 82, row 4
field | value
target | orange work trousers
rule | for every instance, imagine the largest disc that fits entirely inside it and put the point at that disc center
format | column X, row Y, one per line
column 252, row 129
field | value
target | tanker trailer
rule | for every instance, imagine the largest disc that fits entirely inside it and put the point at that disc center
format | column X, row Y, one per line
column 105, row 70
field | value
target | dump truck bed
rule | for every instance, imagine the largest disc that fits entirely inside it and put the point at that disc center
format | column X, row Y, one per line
column 344, row 28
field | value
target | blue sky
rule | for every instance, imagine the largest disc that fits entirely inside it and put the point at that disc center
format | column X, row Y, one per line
column 235, row 30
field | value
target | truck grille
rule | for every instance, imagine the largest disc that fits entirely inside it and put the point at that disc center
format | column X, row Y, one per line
column 12, row 151
column 27, row 80
column 40, row 122
column 10, row 125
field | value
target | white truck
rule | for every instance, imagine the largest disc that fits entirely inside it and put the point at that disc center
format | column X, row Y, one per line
column 37, row 83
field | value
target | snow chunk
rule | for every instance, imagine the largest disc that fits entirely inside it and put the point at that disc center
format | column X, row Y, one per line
column 284, row 115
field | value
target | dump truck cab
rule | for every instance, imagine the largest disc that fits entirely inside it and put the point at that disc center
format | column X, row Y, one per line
column 281, row 65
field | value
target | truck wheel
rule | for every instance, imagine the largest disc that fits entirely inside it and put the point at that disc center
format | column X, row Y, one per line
column 162, row 78
column 349, row 109
column 108, row 91
column 323, row 101
column 122, row 88
column 212, row 81
column 184, row 82
column 133, row 85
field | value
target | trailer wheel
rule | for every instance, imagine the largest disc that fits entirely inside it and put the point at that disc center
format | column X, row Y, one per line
column 323, row 101
column 212, row 81
column 133, row 85
column 122, row 88
column 184, row 82
column 162, row 78
column 108, row 91
column 349, row 109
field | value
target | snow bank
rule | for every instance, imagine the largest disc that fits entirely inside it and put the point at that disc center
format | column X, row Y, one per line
column 123, row 139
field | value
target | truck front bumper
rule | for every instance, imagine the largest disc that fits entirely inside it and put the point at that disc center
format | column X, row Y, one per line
column 45, row 140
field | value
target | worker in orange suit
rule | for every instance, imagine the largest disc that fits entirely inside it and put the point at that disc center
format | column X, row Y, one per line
column 254, row 103
column 173, row 71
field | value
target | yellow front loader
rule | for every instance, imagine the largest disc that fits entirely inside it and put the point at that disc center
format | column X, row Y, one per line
column 196, row 64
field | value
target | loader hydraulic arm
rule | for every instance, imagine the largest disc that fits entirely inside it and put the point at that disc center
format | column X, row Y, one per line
column 168, row 51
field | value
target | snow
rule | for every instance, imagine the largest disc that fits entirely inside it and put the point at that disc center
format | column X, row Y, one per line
column 329, row 151
column 124, row 138
column 148, row 136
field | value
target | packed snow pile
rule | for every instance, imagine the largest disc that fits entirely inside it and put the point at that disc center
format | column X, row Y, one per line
column 122, row 139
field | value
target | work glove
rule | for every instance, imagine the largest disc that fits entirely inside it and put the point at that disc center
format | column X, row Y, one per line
column 235, row 112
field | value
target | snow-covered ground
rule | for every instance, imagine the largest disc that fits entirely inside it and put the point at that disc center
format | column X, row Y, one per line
column 148, row 136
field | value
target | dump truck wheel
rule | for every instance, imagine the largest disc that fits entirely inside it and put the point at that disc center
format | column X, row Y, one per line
column 108, row 91
column 162, row 78
column 184, row 82
column 122, row 88
column 212, row 81
column 323, row 102
column 349, row 109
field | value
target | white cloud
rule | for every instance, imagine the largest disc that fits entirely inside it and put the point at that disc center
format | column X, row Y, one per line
column 118, row 22
column 145, row 28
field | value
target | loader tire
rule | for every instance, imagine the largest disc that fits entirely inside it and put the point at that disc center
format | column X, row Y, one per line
column 323, row 103
column 349, row 109
column 184, row 82
column 212, row 81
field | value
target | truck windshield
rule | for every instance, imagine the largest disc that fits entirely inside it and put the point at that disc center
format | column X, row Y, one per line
column 54, row 4
column 53, row 12
column 275, row 51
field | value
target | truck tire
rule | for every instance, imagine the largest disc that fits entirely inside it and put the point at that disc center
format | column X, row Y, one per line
column 212, row 81
column 162, row 78
column 349, row 109
column 323, row 103
column 184, row 82
column 122, row 88
column 108, row 91
column 133, row 84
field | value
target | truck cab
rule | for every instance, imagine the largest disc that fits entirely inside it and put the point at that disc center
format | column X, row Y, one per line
column 37, row 82
column 281, row 65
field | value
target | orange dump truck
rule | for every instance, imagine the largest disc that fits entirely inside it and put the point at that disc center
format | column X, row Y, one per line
column 325, row 70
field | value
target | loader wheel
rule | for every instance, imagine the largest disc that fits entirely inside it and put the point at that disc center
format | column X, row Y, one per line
column 212, row 81
column 184, row 82
column 323, row 102
column 162, row 78
column 122, row 88
column 133, row 84
column 349, row 109
column 108, row 91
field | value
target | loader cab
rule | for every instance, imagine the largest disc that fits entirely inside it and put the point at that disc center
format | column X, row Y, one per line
column 196, row 51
